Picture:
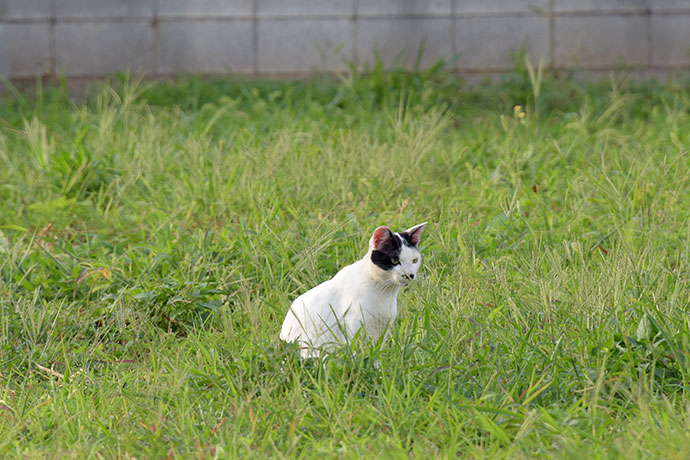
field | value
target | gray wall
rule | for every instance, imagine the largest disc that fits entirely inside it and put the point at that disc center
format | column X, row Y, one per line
column 89, row 38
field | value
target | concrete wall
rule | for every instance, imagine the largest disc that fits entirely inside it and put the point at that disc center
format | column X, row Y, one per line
column 87, row 38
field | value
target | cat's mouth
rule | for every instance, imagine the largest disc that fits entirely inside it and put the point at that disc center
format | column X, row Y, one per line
column 402, row 281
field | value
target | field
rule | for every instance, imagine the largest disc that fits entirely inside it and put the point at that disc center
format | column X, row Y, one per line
column 153, row 235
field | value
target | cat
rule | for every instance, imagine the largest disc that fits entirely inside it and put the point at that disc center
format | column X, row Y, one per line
column 363, row 294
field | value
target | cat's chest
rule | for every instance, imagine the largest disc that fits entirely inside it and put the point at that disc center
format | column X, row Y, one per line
column 354, row 299
column 373, row 312
column 366, row 306
column 366, row 300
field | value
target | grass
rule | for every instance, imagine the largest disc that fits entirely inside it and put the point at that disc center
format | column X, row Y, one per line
column 152, row 237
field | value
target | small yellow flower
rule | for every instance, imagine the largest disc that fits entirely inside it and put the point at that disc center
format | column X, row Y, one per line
column 105, row 273
column 521, row 115
column 517, row 109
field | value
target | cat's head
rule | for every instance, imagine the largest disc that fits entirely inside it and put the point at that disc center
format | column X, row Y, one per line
column 396, row 255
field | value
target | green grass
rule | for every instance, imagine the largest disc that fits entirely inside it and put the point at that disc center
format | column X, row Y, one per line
column 152, row 237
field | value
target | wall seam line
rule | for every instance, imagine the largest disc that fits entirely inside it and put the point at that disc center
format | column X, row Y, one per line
column 355, row 31
column 52, row 51
column 649, row 37
column 155, row 39
column 453, row 22
column 552, row 37
column 255, row 36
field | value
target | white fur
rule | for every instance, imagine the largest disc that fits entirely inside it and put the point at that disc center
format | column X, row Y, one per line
column 361, row 294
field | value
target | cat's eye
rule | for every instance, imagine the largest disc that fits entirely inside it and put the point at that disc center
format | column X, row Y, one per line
column 415, row 260
column 395, row 261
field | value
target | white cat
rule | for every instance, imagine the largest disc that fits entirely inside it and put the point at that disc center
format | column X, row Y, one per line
column 362, row 294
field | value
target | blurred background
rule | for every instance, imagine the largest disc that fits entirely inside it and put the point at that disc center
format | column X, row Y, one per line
column 91, row 38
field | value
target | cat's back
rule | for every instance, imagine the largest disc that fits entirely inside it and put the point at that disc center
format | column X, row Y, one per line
column 307, row 310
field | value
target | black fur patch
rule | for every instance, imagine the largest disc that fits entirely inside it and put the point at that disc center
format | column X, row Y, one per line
column 389, row 250
column 407, row 239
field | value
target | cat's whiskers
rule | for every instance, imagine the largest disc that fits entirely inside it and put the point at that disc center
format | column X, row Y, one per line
column 386, row 286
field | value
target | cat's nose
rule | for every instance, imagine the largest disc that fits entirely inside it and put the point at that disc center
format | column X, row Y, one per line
column 410, row 276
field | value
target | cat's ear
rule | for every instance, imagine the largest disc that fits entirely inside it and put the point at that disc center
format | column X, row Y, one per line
column 381, row 235
column 415, row 233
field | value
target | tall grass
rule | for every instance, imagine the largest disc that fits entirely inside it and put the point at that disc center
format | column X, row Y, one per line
column 153, row 235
